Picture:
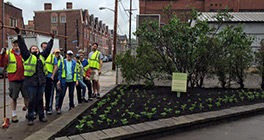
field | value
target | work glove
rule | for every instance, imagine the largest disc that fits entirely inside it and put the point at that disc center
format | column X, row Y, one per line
column 52, row 35
column 3, row 51
column 17, row 30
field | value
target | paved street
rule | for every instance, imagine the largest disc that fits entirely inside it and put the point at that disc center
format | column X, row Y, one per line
column 245, row 129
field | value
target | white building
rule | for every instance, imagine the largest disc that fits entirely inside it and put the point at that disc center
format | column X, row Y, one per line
column 252, row 23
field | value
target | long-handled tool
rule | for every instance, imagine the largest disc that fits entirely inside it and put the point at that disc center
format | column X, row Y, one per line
column 6, row 120
column 35, row 31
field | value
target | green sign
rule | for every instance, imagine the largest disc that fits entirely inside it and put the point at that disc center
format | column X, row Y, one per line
column 179, row 82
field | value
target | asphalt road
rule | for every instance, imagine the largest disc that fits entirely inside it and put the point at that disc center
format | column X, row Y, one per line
column 245, row 129
column 106, row 67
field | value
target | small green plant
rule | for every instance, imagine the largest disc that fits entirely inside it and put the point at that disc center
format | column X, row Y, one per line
column 131, row 114
column 169, row 103
column 94, row 110
column 115, row 121
column 210, row 106
column 124, row 121
column 117, row 110
column 82, row 121
column 218, row 104
column 191, row 109
column 165, row 99
column 177, row 112
column 90, row 124
column 114, row 92
column 143, row 113
column 89, row 116
column 100, row 121
column 79, row 127
column 103, row 117
column 137, row 116
column 210, row 100
column 124, row 114
column 163, row 114
column 201, row 106
column 108, row 121
column 189, row 100
column 183, row 107
column 149, row 115
column 242, row 98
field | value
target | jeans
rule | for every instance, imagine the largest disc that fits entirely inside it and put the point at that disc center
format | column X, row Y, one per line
column 81, row 86
column 48, row 88
column 35, row 101
column 57, row 97
column 71, row 91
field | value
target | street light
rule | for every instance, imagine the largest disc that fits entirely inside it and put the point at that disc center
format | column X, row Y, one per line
column 115, row 31
column 102, row 8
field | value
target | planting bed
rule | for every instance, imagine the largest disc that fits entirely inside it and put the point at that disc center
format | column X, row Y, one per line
column 134, row 104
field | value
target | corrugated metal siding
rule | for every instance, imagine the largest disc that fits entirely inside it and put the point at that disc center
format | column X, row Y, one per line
column 237, row 16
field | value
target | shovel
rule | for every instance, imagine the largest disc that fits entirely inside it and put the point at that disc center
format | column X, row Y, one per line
column 6, row 120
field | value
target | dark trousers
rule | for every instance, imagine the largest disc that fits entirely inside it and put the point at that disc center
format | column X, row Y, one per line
column 89, row 86
column 35, row 94
column 57, row 96
column 71, row 91
column 48, row 88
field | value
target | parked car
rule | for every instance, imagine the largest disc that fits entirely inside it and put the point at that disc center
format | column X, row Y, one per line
column 109, row 57
column 105, row 59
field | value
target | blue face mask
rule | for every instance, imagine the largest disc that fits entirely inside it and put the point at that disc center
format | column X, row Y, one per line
column 17, row 52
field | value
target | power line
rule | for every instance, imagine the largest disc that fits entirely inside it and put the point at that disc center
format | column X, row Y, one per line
column 124, row 8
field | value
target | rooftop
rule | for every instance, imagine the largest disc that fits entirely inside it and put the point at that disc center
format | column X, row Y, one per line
column 237, row 16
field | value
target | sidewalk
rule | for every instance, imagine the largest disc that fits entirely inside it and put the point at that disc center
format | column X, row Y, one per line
column 21, row 130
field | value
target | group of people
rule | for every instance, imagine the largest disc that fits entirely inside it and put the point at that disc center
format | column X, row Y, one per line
column 32, row 73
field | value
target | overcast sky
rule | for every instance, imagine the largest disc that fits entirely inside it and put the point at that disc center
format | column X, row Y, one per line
column 28, row 6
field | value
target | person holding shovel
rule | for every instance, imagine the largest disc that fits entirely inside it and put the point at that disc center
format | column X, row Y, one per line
column 15, row 70
column 35, row 72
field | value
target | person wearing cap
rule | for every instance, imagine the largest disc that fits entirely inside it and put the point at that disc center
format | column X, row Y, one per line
column 68, row 78
column 95, row 62
column 35, row 72
column 85, row 79
column 81, row 85
column 55, row 81
column 15, row 70
column 52, row 67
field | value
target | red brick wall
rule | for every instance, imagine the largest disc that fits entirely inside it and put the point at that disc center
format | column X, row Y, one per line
column 10, row 11
column 179, row 6
column 42, row 21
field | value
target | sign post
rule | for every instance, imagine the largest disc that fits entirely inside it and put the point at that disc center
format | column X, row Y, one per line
column 179, row 83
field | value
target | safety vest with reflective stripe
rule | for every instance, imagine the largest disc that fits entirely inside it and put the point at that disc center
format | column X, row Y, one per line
column 78, row 63
column 50, row 63
column 31, row 63
column 85, row 69
column 94, row 61
column 12, row 63
column 60, row 61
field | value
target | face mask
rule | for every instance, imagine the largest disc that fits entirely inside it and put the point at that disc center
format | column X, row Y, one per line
column 34, row 53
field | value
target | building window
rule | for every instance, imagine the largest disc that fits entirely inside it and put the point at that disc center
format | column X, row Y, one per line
column 54, row 19
column 54, row 32
column 63, row 19
column 12, row 22
column 212, row 5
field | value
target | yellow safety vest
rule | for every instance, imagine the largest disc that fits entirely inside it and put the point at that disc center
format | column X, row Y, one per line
column 31, row 63
column 12, row 63
column 85, row 69
column 62, row 68
column 50, row 63
column 94, row 61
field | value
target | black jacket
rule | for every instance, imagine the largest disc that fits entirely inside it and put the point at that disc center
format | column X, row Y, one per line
column 39, row 78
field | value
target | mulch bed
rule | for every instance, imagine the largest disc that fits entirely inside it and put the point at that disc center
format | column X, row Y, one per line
column 126, row 105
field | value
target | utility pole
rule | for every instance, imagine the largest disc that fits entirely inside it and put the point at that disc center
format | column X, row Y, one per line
column 65, row 40
column 77, row 32
column 130, row 15
column 115, row 34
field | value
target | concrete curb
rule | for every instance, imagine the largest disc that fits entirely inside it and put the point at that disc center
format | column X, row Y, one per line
column 66, row 119
column 161, row 125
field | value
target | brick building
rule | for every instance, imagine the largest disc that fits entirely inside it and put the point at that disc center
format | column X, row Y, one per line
column 90, row 29
column 180, row 6
column 12, row 17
